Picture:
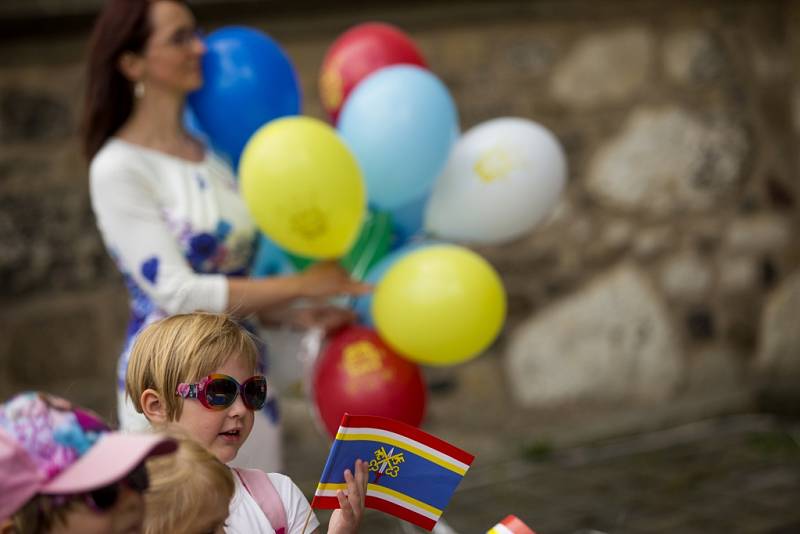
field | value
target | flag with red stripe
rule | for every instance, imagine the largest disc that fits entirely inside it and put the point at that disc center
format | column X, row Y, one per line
column 510, row 525
column 412, row 474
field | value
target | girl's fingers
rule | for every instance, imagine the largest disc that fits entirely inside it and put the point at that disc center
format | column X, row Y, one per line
column 362, row 475
column 356, row 487
column 344, row 506
column 343, row 502
column 352, row 489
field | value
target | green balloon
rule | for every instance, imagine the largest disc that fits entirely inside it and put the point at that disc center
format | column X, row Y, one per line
column 300, row 263
column 372, row 244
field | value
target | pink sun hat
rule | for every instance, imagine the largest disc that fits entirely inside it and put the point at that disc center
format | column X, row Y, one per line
column 49, row 446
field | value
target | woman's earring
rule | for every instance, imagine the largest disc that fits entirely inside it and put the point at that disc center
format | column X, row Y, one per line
column 138, row 89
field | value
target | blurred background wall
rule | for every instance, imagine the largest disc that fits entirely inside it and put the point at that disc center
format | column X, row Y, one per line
column 665, row 286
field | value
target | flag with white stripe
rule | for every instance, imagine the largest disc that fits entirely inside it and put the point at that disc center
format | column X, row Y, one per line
column 412, row 474
column 510, row 525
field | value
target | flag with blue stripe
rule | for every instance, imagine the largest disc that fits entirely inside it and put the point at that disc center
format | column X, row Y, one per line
column 412, row 474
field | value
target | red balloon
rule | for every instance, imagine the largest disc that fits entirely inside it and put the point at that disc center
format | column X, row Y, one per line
column 357, row 53
column 359, row 374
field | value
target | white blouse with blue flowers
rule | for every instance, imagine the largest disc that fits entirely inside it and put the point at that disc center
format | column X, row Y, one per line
column 175, row 228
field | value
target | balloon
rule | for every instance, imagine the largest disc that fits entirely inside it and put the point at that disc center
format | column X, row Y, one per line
column 269, row 259
column 363, row 304
column 441, row 305
column 409, row 218
column 502, row 178
column 300, row 263
column 399, row 122
column 358, row 373
column 192, row 125
column 303, row 187
column 373, row 242
column 249, row 80
column 357, row 53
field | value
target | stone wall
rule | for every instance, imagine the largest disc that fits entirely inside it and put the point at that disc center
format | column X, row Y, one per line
column 665, row 285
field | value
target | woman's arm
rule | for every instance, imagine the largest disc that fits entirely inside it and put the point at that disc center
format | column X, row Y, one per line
column 247, row 296
column 270, row 297
column 129, row 217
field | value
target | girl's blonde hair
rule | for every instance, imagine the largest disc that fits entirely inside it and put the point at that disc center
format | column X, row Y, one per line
column 40, row 514
column 190, row 491
column 184, row 348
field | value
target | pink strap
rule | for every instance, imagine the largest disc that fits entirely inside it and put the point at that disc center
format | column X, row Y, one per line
column 260, row 487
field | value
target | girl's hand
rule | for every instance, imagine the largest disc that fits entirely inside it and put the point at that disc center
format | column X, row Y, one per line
column 329, row 279
column 347, row 518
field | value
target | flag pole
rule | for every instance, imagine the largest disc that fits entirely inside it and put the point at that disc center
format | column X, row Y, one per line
column 308, row 518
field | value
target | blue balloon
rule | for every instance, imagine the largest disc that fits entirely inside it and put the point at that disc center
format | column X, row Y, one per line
column 270, row 259
column 248, row 81
column 192, row 125
column 399, row 123
column 363, row 304
column 408, row 219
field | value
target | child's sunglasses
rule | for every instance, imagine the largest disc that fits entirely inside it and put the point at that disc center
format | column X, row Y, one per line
column 103, row 499
column 217, row 392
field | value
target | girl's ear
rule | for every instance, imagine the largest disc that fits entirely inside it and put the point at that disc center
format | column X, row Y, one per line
column 153, row 407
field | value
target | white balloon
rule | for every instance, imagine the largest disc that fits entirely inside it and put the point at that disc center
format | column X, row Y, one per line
column 501, row 179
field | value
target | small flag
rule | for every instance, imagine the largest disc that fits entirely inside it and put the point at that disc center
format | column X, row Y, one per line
column 412, row 475
column 510, row 525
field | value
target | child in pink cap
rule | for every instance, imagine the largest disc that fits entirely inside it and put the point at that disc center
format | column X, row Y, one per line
column 62, row 470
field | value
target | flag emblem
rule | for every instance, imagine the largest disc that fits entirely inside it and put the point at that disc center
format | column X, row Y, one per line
column 386, row 463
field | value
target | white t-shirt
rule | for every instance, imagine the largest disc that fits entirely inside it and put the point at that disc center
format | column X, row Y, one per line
column 246, row 517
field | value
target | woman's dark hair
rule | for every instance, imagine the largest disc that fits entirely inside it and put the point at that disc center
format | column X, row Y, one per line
column 122, row 26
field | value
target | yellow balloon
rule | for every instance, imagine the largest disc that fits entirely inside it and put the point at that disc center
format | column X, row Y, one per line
column 440, row 305
column 303, row 187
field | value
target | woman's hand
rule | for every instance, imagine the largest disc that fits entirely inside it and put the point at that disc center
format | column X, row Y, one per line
column 347, row 518
column 328, row 318
column 329, row 279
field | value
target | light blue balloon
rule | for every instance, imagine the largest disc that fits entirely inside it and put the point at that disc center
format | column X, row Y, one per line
column 399, row 123
column 270, row 259
column 363, row 304
column 408, row 219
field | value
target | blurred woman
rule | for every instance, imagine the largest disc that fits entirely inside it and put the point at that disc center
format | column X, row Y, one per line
column 168, row 208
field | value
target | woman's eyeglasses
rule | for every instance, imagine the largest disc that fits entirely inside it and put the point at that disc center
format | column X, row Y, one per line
column 218, row 391
column 184, row 37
